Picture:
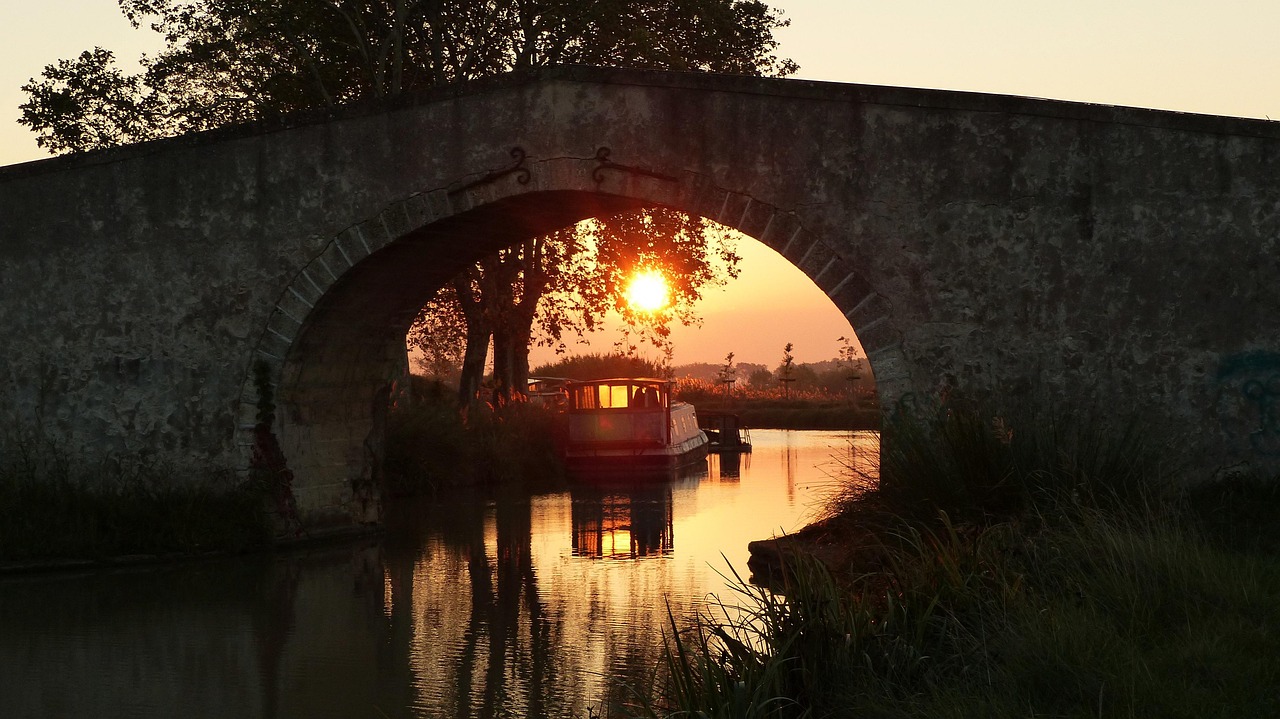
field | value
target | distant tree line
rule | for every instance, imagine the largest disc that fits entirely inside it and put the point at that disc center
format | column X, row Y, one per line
column 846, row 373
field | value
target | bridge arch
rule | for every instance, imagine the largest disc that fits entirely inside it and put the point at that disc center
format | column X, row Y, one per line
column 1119, row 260
column 334, row 340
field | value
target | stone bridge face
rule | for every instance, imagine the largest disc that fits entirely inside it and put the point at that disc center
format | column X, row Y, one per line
column 1113, row 261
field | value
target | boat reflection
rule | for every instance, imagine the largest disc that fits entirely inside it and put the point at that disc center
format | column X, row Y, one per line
column 727, row 466
column 622, row 523
column 619, row 518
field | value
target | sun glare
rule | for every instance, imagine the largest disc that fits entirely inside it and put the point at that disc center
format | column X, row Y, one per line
column 647, row 291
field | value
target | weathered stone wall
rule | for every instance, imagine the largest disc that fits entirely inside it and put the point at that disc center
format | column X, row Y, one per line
column 1113, row 260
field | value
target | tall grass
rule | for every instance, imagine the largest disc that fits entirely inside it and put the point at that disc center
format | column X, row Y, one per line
column 52, row 507
column 1008, row 569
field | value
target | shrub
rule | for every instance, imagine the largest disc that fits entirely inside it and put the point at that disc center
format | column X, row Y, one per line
column 431, row 446
column 601, row 366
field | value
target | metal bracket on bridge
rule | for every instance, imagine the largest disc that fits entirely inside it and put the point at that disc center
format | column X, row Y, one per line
column 522, row 173
column 602, row 157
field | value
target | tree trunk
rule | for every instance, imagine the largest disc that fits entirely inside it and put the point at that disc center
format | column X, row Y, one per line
column 504, row 386
column 511, row 357
column 500, row 275
column 520, row 319
column 478, row 332
column 473, row 365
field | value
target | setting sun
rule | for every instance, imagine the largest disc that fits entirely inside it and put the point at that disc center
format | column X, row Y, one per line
column 647, row 291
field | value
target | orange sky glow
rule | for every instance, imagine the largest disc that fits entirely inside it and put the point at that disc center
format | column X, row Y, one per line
column 770, row 304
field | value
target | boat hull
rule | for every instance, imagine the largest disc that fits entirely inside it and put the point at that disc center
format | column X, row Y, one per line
column 584, row 460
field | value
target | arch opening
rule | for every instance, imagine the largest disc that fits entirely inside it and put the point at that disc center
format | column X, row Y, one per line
column 336, row 374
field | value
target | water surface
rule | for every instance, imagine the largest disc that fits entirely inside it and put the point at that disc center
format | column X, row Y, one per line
column 540, row 605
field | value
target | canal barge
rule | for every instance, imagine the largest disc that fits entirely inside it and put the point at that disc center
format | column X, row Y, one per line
column 630, row 425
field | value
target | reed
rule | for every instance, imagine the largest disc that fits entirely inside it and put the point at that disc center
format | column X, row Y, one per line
column 1011, row 569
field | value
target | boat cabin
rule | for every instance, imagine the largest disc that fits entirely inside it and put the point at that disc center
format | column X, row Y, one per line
column 619, row 411
column 629, row 420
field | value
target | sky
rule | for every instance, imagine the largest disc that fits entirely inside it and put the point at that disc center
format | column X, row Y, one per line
column 1215, row 57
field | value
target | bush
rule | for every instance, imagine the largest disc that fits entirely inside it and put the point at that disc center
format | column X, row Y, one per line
column 432, row 446
column 601, row 366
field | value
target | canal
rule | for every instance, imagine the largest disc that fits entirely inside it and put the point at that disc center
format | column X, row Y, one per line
column 538, row 605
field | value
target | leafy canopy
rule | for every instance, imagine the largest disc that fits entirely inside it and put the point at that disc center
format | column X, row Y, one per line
column 234, row 61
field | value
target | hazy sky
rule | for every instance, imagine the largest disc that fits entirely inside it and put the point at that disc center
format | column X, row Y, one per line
column 1207, row 56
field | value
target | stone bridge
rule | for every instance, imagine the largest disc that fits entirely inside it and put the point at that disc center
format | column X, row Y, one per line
column 1109, row 260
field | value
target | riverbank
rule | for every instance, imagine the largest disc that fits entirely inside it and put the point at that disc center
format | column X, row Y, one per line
column 1003, row 570
column 59, row 514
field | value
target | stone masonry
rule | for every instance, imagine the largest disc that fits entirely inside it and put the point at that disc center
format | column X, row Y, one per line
column 1108, row 260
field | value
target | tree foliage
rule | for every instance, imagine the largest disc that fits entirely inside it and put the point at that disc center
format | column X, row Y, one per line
column 235, row 61
column 602, row 366
column 87, row 103
column 562, row 284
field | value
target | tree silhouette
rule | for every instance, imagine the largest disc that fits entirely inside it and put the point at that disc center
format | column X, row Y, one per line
column 786, row 370
column 237, row 61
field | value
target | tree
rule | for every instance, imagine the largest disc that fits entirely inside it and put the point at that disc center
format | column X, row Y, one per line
column 691, row 253
column 760, row 378
column 87, row 103
column 727, row 374
column 850, row 362
column 786, row 370
column 235, row 61
column 564, row 282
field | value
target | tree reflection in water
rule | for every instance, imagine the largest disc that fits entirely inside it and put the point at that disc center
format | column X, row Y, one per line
column 539, row 605
column 498, row 648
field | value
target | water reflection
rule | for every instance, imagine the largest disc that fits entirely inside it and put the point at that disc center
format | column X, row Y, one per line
column 728, row 466
column 539, row 605
column 622, row 521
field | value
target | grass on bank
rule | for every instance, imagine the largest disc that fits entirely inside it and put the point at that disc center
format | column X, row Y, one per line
column 433, row 446
column 1007, row 570
column 51, row 509
column 771, row 408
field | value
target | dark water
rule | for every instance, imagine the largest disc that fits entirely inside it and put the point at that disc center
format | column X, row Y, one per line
column 545, row 605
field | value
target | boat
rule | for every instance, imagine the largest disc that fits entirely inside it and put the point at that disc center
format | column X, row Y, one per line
column 725, row 432
column 548, row 392
column 630, row 425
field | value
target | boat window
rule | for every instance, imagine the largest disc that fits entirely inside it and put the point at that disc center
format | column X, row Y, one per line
column 584, row 398
column 617, row 396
